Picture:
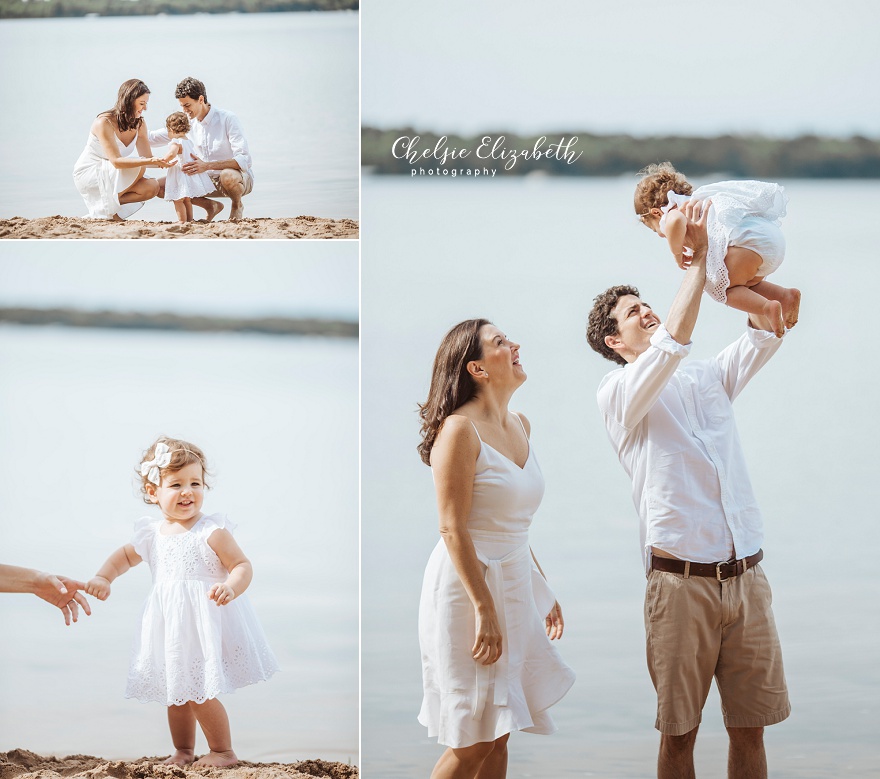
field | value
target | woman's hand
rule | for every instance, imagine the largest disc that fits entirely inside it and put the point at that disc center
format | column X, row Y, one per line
column 98, row 587
column 158, row 162
column 221, row 594
column 554, row 623
column 487, row 646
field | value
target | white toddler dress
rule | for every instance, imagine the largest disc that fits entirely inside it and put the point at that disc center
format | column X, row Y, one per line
column 466, row 702
column 744, row 213
column 188, row 647
column 178, row 184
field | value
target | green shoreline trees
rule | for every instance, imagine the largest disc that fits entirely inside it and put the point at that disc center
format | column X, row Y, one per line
column 728, row 156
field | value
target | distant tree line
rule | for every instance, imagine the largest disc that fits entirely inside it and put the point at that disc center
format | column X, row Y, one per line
column 733, row 156
column 40, row 9
column 194, row 323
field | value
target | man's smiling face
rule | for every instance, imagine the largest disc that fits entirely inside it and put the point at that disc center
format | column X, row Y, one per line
column 636, row 323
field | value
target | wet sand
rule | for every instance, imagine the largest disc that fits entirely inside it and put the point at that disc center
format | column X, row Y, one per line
column 76, row 227
column 21, row 764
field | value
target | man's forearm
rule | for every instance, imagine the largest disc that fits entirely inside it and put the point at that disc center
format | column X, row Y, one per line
column 685, row 309
column 223, row 165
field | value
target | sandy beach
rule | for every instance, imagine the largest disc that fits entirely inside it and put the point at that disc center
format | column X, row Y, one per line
column 76, row 227
column 21, row 764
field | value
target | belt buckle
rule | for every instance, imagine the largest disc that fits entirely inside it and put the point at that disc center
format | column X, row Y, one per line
column 718, row 572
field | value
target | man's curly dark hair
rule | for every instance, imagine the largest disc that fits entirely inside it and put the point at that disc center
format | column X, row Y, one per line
column 190, row 87
column 602, row 323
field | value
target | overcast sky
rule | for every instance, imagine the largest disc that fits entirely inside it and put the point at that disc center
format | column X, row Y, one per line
column 213, row 277
column 776, row 67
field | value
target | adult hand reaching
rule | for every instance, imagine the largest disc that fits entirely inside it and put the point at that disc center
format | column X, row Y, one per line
column 60, row 591
column 196, row 166
column 554, row 624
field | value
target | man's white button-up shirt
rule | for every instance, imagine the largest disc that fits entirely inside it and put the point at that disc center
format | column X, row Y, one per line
column 218, row 137
column 673, row 429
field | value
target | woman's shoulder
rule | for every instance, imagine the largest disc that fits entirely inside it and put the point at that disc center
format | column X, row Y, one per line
column 524, row 421
column 458, row 433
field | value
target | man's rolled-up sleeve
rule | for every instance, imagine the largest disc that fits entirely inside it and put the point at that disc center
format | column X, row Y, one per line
column 240, row 152
column 625, row 396
column 158, row 137
column 740, row 361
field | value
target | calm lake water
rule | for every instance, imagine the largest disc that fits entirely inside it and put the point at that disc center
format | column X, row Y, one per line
column 277, row 418
column 530, row 254
column 291, row 78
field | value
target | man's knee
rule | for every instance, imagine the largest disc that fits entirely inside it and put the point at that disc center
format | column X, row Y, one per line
column 678, row 745
column 233, row 182
column 746, row 736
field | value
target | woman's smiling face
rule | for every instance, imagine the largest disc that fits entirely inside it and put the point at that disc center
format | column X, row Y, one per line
column 500, row 358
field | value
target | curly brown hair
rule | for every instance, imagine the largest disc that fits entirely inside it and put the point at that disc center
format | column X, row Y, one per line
column 178, row 122
column 658, row 179
column 192, row 88
column 183, row 453
column 601, row 322
column 451, row 384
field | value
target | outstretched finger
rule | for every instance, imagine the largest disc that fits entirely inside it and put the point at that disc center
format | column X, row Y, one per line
column 65, row 610
column 57, row 584
column 83, row 601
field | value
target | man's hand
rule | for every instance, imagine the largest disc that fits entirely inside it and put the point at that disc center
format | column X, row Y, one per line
column 196, row 166
column 62, row 593
column 696, row 236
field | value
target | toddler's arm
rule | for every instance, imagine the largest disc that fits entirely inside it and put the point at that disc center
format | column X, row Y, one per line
column 240, row 570
column 174, row 150
column 117, row 564
column 675, row 229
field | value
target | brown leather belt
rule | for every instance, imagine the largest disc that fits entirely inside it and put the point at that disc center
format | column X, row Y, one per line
column 719, row 571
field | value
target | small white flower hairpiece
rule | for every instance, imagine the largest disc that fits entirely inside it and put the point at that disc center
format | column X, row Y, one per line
column 161, row 459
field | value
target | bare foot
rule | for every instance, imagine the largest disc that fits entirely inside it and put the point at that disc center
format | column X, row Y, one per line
column 773, row 312
column 218, row 759
column 215, row 208
column 237, row 211
column 181, row 757
column 791, row 304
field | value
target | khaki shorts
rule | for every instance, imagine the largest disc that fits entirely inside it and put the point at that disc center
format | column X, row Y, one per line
column 214, row 175
column 697, row 628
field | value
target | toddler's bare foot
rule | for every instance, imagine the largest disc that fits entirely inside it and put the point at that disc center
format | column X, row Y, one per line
column 791, row 304
column 181, row 757
column 214, row 209
column 773, row 312
column 218, row 759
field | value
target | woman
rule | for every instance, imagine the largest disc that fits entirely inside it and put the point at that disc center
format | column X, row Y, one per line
column 109, row 174
column 488, row 667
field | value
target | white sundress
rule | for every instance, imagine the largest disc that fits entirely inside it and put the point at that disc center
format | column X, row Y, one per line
column 178, row 184
column 744, row 213
column 464, row 701
column 100, row 184
column 188, row 647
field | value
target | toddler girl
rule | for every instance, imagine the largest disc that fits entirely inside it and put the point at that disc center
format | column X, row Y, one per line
column 179, row 186
column 189, row 651
column 745, row 242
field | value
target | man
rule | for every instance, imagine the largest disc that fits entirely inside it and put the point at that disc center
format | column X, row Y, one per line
column 221, row 147
column 673, row 428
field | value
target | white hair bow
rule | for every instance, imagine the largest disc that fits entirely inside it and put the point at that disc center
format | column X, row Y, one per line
column 161, row 459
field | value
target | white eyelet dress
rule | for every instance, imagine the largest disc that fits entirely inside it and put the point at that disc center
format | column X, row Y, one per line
column 464, row 701
column 746, row 214
column 188, row 647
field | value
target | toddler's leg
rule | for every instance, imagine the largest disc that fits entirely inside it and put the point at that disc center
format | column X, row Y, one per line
column 189, row 209
column 790, row 298
column 182, row 723
column 215, row 725
column 180, row 209
column 745, row 299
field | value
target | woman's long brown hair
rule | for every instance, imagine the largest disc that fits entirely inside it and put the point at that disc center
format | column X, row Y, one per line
column 451, row 384
column 123, row 112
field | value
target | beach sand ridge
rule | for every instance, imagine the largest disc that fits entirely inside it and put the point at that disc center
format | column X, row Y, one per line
column 22, row 764
column 77, row 227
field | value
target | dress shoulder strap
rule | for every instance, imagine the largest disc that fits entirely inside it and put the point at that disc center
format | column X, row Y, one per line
column 519, row 419
column 475, row 429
